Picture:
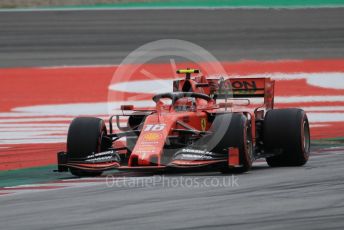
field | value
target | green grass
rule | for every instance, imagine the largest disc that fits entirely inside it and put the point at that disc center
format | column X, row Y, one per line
column 338, row 141
column 224, row 3
column 30, row 176
column 196, row 3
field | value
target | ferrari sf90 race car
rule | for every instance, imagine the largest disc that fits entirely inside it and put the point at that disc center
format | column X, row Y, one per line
column 210, row 123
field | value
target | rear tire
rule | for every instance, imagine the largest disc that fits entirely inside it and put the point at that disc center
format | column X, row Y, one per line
column 287, row 135
column 85, row 136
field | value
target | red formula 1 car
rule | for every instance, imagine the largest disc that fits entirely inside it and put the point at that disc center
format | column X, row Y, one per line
column 210, row 123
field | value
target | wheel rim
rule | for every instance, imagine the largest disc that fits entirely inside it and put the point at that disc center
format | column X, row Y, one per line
column 249, row 145
column 306, row 138
column 250, row 149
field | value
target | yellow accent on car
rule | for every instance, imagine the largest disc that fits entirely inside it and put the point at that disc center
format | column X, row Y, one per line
column 187, row 71
column 152, row 136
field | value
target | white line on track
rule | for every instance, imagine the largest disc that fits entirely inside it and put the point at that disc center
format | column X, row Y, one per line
column 34, row 125
column 24, row 129
column 322, row 108
column 19, row 120
column 76, row 66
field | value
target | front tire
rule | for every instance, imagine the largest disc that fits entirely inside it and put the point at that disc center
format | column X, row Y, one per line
column 237, row 135
column 287, row 136
column 85, row 136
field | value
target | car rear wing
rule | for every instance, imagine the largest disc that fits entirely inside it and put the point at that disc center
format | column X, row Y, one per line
column 225, row 88
column 244, row 88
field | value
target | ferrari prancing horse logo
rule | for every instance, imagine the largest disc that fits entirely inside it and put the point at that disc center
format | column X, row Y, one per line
column 203, row 124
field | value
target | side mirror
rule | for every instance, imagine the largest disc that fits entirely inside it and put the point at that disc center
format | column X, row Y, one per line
column 127, row 107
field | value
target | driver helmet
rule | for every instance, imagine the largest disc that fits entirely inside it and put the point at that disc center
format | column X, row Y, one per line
column 185, row 104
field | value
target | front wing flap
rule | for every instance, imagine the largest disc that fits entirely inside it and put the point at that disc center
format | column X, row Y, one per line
column 189, row 157
column 94, row 162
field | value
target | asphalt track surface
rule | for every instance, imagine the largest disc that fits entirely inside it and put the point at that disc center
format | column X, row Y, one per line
column 106, row 37
column 309, row 197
